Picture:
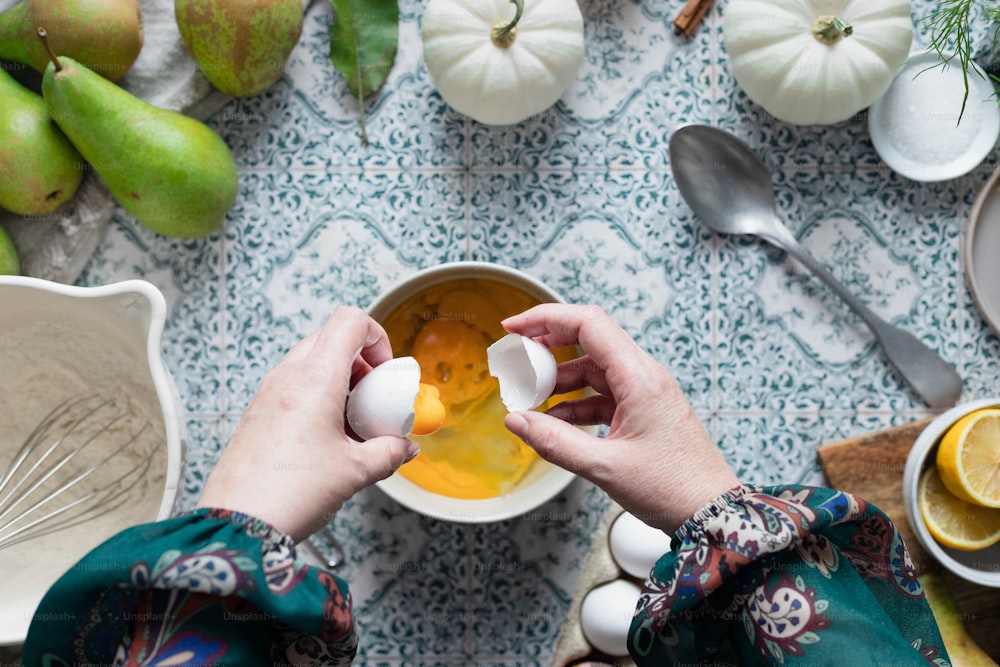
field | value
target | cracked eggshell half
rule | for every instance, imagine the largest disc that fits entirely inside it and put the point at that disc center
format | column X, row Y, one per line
column 382, row 401
column 525, row 369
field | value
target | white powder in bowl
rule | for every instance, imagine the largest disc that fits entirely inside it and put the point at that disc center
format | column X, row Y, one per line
column 42, row 364
column 920, row 114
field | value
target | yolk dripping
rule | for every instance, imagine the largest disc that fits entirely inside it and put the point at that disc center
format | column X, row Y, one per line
column 428, row 410
column 479, row 460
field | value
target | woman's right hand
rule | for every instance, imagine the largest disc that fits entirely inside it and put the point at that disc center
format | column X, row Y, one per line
column 290, row 463
column 657, row 460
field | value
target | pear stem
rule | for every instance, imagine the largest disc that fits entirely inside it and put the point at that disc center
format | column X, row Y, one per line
column 44, row 36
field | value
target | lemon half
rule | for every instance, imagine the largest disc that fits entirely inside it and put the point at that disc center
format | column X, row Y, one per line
column 968, row 458
column 952, row 521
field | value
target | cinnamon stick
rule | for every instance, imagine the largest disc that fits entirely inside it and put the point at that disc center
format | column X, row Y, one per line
column 690, row 17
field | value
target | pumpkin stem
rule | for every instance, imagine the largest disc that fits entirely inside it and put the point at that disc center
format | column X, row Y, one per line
column 830, row 29
column 503, row 34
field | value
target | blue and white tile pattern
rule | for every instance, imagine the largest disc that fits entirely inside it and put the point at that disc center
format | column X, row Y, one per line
column 580, row 197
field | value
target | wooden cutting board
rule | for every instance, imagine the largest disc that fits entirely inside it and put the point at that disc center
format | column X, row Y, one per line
column 871, row 466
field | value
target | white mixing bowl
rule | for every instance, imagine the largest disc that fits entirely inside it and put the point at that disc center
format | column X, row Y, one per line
column 60, row 342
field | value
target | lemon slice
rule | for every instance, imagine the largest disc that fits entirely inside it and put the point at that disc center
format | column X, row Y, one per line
column 968, row 458
column 952, row 521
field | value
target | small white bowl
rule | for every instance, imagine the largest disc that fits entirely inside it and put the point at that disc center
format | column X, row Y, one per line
column 544, row 480
column 937, row 118
column 76, row 341
column 981, row 566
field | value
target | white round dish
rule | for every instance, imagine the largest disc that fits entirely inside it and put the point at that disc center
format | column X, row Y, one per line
column 934, row 122
column 543, row 481
column 63, row 342
column 981, row 249
column 980, row 567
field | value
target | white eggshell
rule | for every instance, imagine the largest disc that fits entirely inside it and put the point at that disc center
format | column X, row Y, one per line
column 525, row 369
column 606, row 614
column 381, row 403
column 636, row 546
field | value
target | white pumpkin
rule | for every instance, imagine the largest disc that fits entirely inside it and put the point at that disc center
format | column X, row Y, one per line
column 816, row 61
column 502, row 61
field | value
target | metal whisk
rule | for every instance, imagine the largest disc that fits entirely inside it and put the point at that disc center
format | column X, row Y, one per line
column 54, row 481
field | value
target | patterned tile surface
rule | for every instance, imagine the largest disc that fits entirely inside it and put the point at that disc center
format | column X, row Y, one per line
column 580, row 197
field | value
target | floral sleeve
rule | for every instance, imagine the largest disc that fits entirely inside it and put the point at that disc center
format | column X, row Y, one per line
column 785, row 575
column 211, row 587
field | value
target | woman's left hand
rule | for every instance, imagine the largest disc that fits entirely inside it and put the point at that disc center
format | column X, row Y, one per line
column 289, row 462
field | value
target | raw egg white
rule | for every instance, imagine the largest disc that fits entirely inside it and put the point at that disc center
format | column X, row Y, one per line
column 525, row 369
column 606, row 614
column 391, row 400
column 635, row 545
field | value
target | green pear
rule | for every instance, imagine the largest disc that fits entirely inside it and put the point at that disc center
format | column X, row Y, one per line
column 9, row 265
column 170, row 172
column 39, row 168
column 241, row 46
column 962, row 649
column 104, row 35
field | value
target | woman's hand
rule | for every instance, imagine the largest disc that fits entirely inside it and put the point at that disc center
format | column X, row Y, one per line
column 289, row 462
column 657, row 460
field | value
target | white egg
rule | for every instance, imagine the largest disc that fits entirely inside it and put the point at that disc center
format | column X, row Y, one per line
column 606, row 614
column 381, row 403
column 525, row 369
column 636, row 546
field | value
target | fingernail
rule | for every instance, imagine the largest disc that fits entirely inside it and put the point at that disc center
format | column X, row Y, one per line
column 412, row 450
column 516, row 423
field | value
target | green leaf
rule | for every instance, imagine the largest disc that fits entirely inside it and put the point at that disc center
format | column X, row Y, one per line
column 951, row 36
column 363, row 44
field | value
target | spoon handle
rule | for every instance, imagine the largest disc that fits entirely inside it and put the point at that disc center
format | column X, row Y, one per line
column 336, row 560
column 930, row 376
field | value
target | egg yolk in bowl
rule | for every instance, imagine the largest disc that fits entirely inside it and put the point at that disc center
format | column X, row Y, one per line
column 447, row 328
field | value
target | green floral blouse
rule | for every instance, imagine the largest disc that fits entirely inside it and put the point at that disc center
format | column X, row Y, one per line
column 212, row 587
column 779, row 575
column 785, row 575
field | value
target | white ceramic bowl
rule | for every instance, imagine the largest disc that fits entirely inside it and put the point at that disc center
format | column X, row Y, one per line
column 59, row 342
column 937, row 118
column 543, row 481
column 981, row 249
column 981, row 566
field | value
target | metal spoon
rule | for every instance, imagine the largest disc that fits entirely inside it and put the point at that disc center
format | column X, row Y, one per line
column 334, row 561
column 730, row 190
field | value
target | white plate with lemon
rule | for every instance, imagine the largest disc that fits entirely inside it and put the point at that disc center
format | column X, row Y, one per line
column 951, row 489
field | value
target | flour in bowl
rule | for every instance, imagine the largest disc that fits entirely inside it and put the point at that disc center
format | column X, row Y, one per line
column 43, row 364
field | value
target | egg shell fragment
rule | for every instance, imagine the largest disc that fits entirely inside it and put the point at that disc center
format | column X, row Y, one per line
column 635, row 545
column 381, row 403
column 606, row 614
column 525, row 369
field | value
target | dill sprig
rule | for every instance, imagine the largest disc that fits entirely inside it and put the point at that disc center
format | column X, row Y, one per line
column 951, row 35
